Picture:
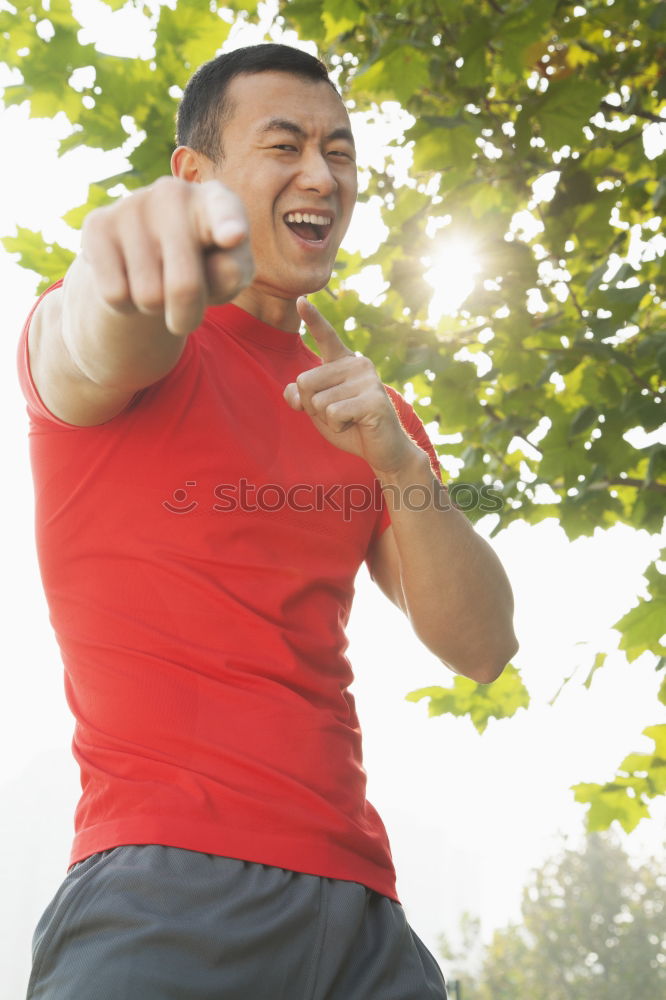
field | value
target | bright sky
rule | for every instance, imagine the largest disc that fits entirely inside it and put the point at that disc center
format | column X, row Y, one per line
column 468, row 816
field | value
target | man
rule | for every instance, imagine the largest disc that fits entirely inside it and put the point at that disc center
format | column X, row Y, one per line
column 206, row 491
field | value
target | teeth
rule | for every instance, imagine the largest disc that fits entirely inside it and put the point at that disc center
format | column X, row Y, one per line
column 315, row 220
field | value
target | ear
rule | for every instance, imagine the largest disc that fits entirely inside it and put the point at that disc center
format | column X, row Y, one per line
column 190, row 165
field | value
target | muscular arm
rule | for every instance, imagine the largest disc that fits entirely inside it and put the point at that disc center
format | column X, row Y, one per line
column 149, row 266
column 444, row 576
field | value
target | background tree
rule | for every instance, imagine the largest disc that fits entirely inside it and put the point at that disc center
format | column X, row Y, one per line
column 535, row 135
column 463, row 955
column 593, row 928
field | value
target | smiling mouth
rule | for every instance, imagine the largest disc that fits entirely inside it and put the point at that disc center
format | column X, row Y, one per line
column 309, row 227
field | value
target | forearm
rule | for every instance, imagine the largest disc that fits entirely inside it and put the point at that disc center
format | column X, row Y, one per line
column 125, row 349
column 454, row 587
column 149, row 266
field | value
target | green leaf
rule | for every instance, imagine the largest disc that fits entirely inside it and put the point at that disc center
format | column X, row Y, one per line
column 397, row 76
column 642, row 629
column 191, row 34
column 658, row 734
column 475, row 35
column 474, row 71
column 582, row 419
column 306, row 15
column 563, row 458
column 97, row 196
column 566, row 106
column 482, row 702
column 599, row 661
column 442, row 143
column 49, row 260
column 520, row 28
column 657, row 17
column 339, row 17
column 609, row 803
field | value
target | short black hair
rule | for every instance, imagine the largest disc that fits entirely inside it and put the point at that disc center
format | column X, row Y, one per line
column 205, row 107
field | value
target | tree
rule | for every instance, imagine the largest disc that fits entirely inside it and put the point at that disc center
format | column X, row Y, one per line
column 462, row 959
column 548, row 382
column 592, row 928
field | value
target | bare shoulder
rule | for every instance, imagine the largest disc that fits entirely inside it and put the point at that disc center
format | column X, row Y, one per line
column 62, row 386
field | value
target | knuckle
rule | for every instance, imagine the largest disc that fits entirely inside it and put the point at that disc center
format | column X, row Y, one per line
column 303, row 381
column 164, row 197
column 166, row 186
column 151, row 304
column 115, row 294
column 97, row 229
column 148, row 297
column 185, row 291
column 318, row 403
column 230, row 211
column 221, row 194
column 93, row 223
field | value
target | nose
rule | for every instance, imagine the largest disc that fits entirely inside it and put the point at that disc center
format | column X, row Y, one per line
column 316, row 174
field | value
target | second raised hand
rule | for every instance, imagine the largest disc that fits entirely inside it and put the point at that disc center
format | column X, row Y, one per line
column 346, row 400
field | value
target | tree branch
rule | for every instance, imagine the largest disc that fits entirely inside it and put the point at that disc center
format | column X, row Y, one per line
column 648, row 116
column 631, row 137
column 494, row 415
column 638, row 483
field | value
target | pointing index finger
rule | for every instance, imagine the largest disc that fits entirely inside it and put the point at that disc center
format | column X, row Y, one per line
column 330, row 346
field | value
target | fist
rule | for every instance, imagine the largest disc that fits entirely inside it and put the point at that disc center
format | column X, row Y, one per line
column 170, row 250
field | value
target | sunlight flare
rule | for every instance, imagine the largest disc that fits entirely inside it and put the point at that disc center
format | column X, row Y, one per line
column 452, row 273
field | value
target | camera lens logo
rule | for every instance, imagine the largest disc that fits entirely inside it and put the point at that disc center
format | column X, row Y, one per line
column 180, row 504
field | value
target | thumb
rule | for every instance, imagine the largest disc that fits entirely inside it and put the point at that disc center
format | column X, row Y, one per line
column 221, row 217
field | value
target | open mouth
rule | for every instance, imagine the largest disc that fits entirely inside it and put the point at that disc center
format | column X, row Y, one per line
column 309, row 227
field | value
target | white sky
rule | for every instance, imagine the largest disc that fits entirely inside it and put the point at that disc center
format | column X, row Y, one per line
column 468, row 816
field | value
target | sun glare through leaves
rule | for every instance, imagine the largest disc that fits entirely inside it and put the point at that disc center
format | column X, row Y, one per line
column 452, row 272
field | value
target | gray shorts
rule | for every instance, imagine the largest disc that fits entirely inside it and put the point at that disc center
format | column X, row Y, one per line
column 161, row 923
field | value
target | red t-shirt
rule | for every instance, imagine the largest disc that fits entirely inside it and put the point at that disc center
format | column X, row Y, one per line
column 198, row 554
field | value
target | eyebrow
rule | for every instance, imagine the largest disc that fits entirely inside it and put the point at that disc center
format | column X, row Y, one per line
column 285, row 125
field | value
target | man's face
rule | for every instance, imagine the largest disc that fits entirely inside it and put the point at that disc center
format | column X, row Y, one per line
column 289, row 153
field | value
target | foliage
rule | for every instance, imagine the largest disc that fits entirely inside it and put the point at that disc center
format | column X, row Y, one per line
column 481, row 702
column 640, row 776
column 556, row 358
column 461, row 960
column 593, row 928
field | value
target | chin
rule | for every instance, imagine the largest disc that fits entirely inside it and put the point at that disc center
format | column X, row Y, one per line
column 304, row 281
column 314, row 282
column 313, row 287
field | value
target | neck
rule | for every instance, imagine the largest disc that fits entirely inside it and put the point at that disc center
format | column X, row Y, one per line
column 271, row 309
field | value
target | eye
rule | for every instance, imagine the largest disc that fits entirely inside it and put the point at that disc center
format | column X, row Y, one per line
column 287, row 146
column 341, row 154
